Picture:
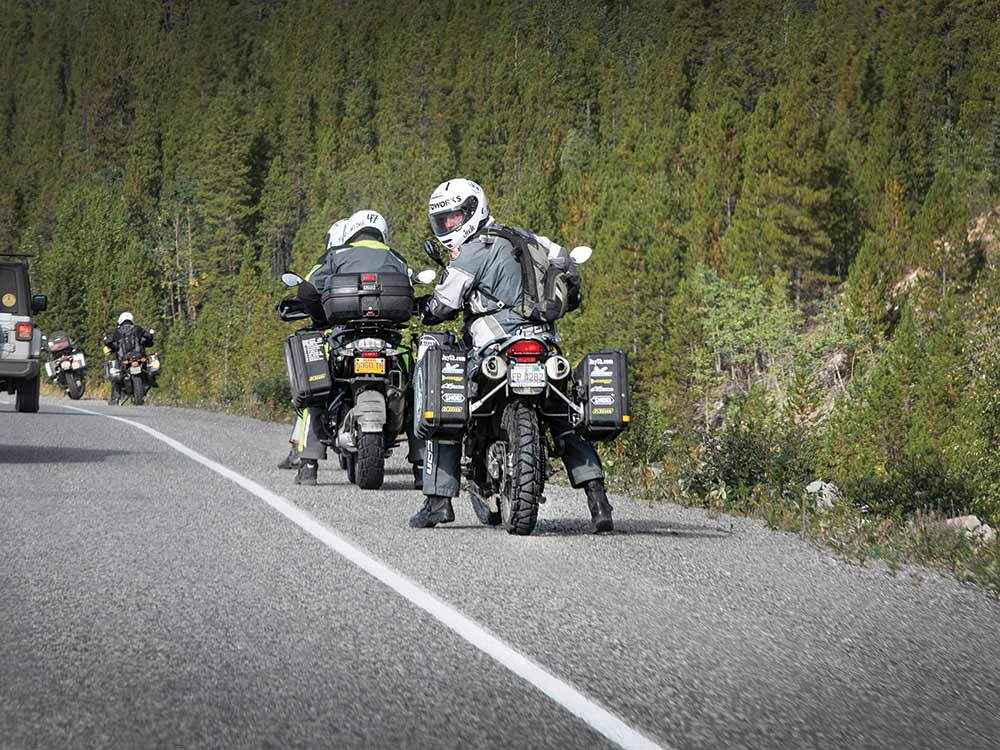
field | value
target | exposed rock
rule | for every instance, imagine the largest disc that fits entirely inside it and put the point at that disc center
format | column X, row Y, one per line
column 974, row 528
column 825, row 493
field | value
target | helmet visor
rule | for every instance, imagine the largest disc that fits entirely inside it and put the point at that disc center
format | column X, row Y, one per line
column 446, row 222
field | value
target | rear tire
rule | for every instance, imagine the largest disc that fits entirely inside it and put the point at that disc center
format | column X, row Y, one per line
column 352, row 464
column 138, row 391
column 370, row 460
column 524, row 479
column 75, row 388
column 26, row 400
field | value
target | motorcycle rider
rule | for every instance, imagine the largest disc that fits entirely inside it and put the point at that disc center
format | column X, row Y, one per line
column 483, row 281
column 334, row 238
column 126, row 341
column 363, row 249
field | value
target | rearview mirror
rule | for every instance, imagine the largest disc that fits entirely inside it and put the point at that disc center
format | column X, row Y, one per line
column 426, row 276
column 581, row 254
column 291, row 279
column 433, row 252
column 39, row 303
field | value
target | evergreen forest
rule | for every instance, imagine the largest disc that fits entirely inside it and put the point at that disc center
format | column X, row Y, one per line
column 793, row 205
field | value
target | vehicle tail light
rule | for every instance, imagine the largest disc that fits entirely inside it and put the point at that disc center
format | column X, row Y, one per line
column 24, row 331
column 369, row 354
column 369, row 277
column 527, row 350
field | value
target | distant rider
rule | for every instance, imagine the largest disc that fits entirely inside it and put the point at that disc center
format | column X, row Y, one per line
column 126, row 341
column 483, row 281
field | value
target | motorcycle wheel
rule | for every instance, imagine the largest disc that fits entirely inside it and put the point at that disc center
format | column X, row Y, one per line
column 524, row 480
column 75, row 388
column 370, row 461
column 138, row 391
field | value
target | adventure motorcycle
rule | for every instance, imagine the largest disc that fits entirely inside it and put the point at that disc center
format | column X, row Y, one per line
column 516, row 385
column 359, row 370
column 67, row 366
column 134, row 373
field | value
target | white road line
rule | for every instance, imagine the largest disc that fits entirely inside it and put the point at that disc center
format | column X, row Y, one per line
column 560, row 691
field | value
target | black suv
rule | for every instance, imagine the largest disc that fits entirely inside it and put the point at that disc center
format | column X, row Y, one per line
column 20, row 339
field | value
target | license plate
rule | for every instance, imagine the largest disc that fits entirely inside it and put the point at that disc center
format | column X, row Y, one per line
column 369, row 366
column 527, row 376
column 135, row 369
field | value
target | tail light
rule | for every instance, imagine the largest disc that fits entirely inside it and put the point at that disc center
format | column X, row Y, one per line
column 527, row 350
column 369, row 354
column 23, row 332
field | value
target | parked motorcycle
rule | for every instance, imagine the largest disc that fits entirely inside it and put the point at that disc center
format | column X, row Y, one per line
column 67, row 366
column 498, row 400
column 359, row 371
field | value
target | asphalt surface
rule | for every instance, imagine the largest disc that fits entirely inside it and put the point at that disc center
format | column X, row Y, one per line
column 147, row 601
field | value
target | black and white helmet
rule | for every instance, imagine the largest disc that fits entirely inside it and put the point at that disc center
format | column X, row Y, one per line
column 457, row 209
column 366, row 220
column 335, row 234
column 125, row 316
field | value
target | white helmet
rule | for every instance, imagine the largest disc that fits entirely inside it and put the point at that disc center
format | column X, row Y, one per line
column 335, row 234
column 457, row 209
column 125, row 316
column 366, row 219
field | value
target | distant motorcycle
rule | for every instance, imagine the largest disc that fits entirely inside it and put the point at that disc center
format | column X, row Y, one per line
column 134, row 373
column 67, row 366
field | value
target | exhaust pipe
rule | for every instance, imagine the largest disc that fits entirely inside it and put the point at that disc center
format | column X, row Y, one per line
column 557, row 368
column 494, row 367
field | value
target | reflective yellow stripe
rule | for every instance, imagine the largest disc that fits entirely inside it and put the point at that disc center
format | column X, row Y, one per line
column 314, row 270
column 372, row 244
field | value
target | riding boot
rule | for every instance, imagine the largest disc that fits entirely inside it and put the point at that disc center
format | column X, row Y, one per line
column 308, row 469
column 418, row 476
column 600, row 508
column 291, row 461
column 436, row 509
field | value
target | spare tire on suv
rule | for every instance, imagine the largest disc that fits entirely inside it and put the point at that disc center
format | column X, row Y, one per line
column 20, row 338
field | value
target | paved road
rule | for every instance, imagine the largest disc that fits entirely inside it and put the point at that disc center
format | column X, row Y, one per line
column 146, row 600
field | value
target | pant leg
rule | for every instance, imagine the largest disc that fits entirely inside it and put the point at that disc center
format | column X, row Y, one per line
column 581, row 460
column 311, row 446
column 442, row 468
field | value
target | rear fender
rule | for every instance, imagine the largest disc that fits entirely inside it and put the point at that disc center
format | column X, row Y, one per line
column 369, row 411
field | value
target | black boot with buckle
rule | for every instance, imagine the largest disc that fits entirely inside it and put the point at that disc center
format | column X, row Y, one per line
column 436, row 509
column 600, row 508
column 308, row 468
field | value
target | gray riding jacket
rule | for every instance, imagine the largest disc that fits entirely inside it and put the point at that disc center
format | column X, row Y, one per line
column 483, row 280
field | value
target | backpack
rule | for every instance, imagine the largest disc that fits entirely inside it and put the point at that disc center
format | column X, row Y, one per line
column 548, row 290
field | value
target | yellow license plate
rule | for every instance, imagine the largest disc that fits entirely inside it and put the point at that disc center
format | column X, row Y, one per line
column 370, row 366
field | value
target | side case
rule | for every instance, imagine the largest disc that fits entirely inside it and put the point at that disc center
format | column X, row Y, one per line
column 440, row 389
column 601, row 384
column 308, row 368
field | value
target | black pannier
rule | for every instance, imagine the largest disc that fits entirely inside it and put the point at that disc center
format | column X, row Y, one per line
column 440, row 388
column 368, row 296
column 308, row 368
column 601, row 385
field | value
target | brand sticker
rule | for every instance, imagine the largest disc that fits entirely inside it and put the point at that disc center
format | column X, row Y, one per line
column 603, row 411
column 9, row 300
column 600, row 372
column 602, row 400
column 601, row 389
column 452, row 386
column 453, row 398
column 452, row 409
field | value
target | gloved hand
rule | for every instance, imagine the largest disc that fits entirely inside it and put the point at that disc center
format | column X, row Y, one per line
column 420, row 306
